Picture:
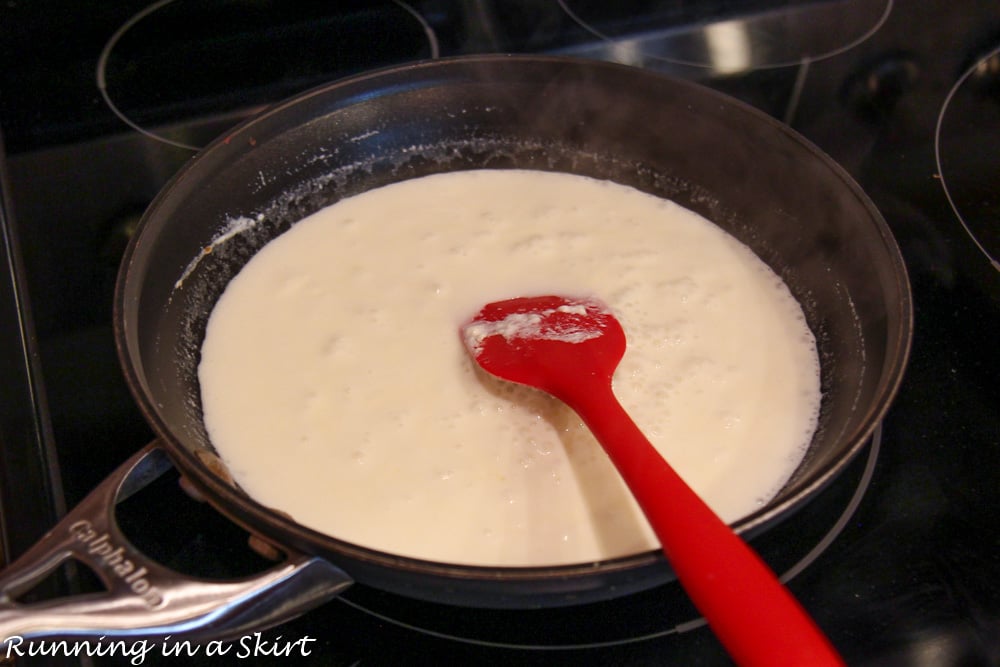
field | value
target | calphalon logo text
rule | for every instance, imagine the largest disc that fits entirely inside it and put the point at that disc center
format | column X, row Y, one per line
column 113, row 558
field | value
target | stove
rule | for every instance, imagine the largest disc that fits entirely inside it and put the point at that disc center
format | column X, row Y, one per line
column 898, row 561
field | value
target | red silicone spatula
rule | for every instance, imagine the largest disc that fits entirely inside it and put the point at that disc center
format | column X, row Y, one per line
column 570, row 348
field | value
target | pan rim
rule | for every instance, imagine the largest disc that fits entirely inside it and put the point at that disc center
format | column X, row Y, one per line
column 259, row 518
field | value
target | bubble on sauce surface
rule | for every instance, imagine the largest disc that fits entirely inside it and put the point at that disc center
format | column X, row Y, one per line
column 293, row 284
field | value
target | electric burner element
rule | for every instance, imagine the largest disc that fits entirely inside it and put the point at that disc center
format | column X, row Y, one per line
column 967, row 148
column 165, row 59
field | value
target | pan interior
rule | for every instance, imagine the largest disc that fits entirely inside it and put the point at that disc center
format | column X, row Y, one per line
column 746, row 173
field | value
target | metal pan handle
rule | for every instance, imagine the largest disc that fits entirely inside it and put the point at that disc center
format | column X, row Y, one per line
column 144, row 598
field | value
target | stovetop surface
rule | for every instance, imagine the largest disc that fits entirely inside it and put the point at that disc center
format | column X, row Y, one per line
column 911, row 573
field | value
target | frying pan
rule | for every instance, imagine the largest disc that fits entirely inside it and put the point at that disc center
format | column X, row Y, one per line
column 748, row 173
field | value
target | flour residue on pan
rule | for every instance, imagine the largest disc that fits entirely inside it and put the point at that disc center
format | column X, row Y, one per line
column 229, row 230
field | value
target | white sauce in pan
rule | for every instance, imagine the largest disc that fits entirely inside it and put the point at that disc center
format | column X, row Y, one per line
column 337, row 388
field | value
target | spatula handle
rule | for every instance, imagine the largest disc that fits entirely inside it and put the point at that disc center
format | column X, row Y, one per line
column 753, row 615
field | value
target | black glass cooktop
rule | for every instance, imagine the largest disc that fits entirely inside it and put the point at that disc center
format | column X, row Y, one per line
column 898, row 561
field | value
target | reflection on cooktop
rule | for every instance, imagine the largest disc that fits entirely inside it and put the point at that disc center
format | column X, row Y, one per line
column 729, row 37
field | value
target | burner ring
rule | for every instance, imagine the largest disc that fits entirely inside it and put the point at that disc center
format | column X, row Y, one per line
column 101, row 70
column 973, row 202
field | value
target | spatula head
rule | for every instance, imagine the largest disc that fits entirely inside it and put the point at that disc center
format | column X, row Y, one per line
column 553, row 343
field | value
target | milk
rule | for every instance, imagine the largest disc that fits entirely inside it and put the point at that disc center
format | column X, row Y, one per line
column 336, row 386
